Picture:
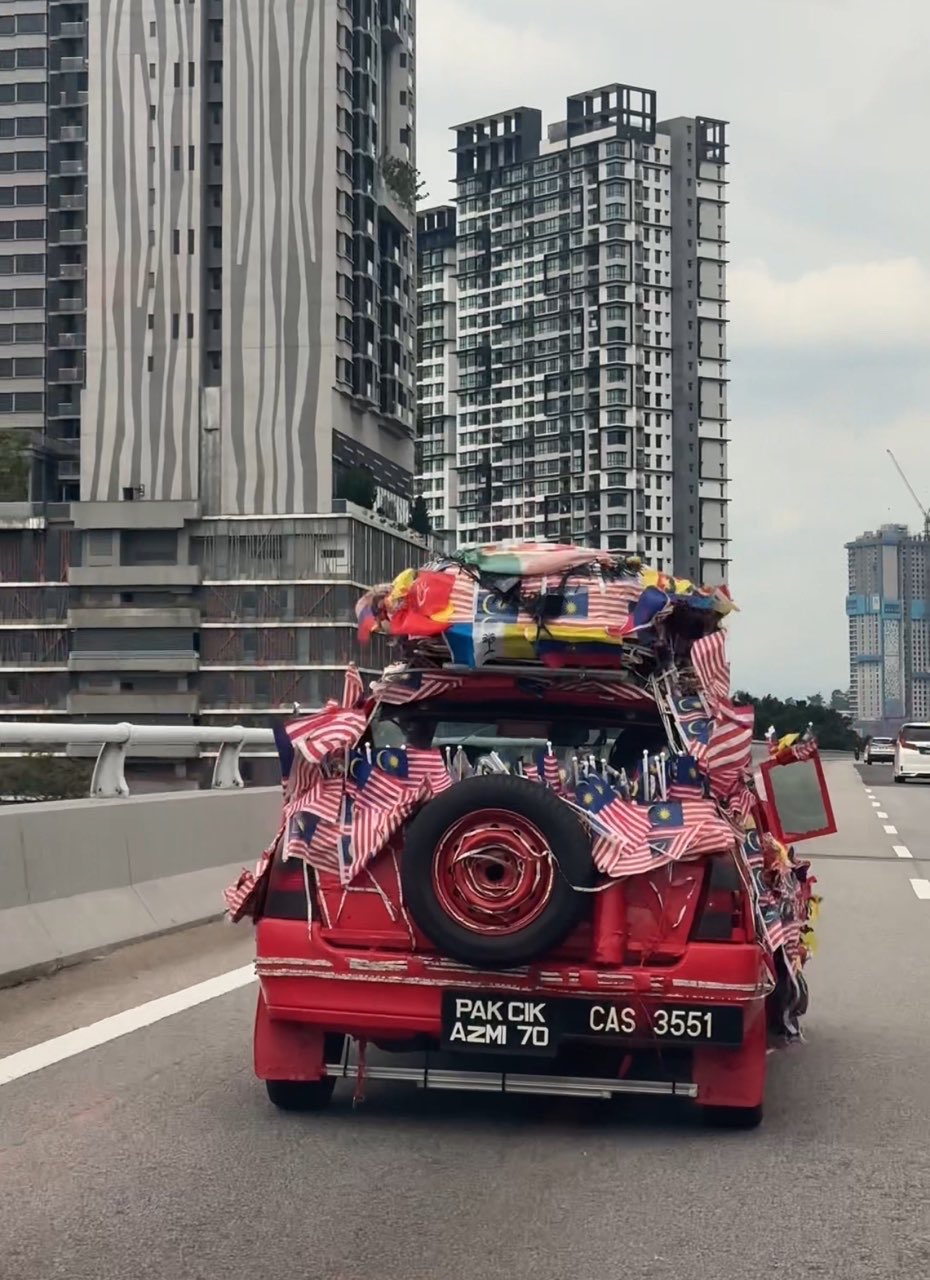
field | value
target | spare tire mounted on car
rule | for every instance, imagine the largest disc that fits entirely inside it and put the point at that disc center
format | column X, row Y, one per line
column 493, row 870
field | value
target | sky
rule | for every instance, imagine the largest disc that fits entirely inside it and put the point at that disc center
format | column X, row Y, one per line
column 829, row 277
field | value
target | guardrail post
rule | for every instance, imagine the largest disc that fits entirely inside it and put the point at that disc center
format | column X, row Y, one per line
column 226, row 774
column 109, row 776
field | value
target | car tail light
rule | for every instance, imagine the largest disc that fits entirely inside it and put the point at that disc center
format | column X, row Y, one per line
column 722, row 915
column 286, row 898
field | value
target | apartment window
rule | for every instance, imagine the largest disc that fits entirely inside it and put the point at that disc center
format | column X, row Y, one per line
column 30, row 333
column 153, row 112
column 28, row 264
column 30, row 161
column 30, row 92
column 30, row 195
column 190, row 324
column 176, row 325
column 177, row 75
column 151, row 70
column 190, row 75
column 190, row 240
column 151, row 322
column 177, row 240
column 30, row 298
column 191, row 153
column 28, row 402
column 176, row 155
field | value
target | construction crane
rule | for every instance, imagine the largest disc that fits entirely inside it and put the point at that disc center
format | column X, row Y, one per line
column 910, row 488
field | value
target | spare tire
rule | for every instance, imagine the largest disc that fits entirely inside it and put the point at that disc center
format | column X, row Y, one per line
column 491, row 871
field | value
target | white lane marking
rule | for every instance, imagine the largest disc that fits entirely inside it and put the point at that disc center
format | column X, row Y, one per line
column 881, row 814
column 902, row 851
column 922, row 889
column 876, row 803
column 890, row 831
column 39, row 1056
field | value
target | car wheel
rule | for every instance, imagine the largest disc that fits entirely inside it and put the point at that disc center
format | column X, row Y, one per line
column 732, row 1117
column 491, row 871
column 899, row 777
column 309, row 1095
column 301, row 1095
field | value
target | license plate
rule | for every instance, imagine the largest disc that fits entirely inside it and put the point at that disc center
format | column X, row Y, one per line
column 480, row 1022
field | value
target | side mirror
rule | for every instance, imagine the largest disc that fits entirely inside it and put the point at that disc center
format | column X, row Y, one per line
column 797, row 800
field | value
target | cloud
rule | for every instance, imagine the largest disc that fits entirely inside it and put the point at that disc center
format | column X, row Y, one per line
column 869, row 304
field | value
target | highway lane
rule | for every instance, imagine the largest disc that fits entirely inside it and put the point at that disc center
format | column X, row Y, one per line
column 907, row 808
column 157, row 1155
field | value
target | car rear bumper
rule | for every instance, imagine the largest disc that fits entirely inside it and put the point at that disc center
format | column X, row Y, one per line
column 385, row 995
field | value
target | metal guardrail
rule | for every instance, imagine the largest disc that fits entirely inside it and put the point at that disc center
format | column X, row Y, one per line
column 117, row 741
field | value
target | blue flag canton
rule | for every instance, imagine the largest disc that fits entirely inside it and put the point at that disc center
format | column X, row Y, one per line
column 304, row 826
column 594, row 794
column 666, row 814
column 683, row 771
column 491, row 604
column 575, row 602
column 285, row 749
column 360, row 768
column 393, row 761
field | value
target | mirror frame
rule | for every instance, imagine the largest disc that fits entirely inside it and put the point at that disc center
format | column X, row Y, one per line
column 795, row 837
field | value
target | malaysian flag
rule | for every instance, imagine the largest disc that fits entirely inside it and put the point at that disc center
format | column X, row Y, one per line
column 314, row 840
column 727, row 751
column 240, row 897
column 684, row 778
column 333, row 729
column 545, row 768
column 384, row 795
column 609, row 815
column 353, row 690
column 413, row 686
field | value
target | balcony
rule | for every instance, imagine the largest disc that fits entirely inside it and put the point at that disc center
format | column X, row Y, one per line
column 73, row 30
column 72, row 168
column 72, row 133
column 69, row 340
column 70, row 235
column 71, row 98
column 73, row 64
column 68, row 373
column 70, row 271
column 72, row 200
column 67, row 306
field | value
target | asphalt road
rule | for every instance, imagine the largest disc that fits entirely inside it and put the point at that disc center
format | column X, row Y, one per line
column 157, row 1155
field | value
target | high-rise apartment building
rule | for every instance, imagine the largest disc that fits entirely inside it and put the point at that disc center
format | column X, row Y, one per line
column 237, row 181
column 586, row 297
column 888, row 609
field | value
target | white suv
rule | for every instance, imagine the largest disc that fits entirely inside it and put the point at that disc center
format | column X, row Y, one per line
column 912, row 752
column 879, row 749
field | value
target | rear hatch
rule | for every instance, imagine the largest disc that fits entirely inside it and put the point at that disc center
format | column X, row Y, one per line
column 659, row 912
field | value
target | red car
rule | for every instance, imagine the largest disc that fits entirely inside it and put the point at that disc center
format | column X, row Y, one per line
column 482, row 949
column 532, row 858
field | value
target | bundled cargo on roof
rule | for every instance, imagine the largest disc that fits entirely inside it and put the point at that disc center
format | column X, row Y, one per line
column 558, row 606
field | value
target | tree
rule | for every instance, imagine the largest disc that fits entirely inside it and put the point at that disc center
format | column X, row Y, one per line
column 829, row 726
column 839, row 700
column 37, row 777
column 357, row 484
column 404, row 180
column 815, row 700
column 419, row 517
column 14, row 467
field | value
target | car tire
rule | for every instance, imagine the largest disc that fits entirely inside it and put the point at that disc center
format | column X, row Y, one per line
column 543, row 860
column 732, row 1117
column 308, row 1095
column 899, row 777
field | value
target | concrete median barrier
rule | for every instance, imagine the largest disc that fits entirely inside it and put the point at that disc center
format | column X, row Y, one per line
column 79, row 877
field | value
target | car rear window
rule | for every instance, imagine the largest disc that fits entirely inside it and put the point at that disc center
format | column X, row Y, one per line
column 881, row 742
column 514, row 732
column 916, row 733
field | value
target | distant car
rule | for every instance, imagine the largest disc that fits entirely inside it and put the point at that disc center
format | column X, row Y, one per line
column 879, row 749
column 912, row 752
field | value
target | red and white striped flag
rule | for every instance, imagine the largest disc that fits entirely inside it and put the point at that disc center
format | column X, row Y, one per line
column 333, row 729
column 353, row 690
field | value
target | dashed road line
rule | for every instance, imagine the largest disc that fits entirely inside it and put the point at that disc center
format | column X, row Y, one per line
column 902, row 851
column 922, row 889
column 890, row 831
column 881, row 814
